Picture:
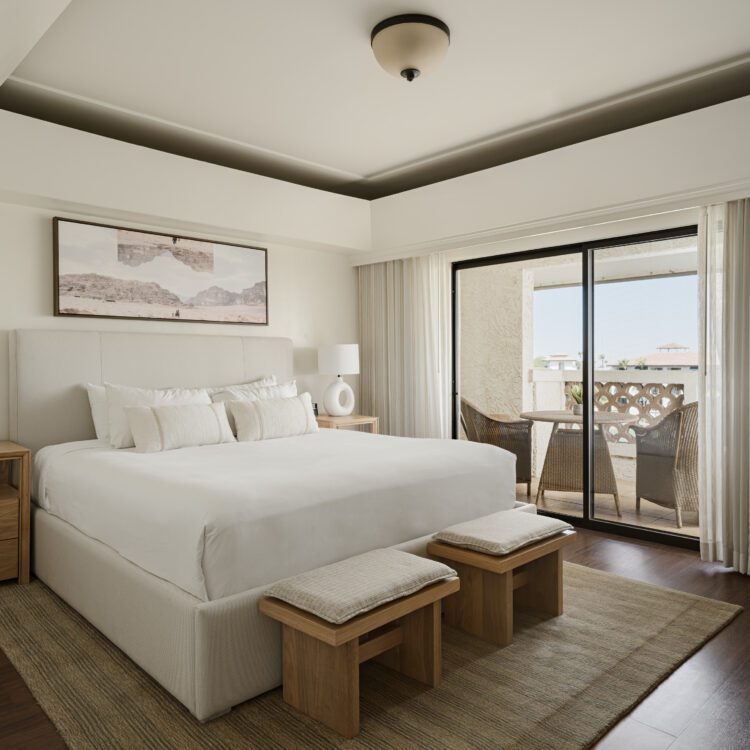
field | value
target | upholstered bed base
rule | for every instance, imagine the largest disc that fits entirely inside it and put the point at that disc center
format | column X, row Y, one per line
column 209, row 655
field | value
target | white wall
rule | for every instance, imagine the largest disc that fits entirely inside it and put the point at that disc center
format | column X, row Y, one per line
column 676, row 163
column 314, row 236
column 50, row 166
column 312, row 296
column 48, row 170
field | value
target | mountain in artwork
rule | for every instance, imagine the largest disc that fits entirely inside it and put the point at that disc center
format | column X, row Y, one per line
column 215, row 295
column 96, row 286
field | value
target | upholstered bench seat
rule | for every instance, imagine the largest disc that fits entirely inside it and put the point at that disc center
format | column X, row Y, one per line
column 343, row 590
column 503, row 559
column 501, row 533
column 383, row 605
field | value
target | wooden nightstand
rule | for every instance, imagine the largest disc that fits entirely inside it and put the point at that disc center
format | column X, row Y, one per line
column 15, row 520
column 353, row 420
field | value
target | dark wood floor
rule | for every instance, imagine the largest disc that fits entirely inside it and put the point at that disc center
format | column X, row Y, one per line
column 704, row 705
column 22, row 723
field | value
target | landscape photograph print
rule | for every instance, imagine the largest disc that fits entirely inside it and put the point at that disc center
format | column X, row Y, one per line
column 115, row 272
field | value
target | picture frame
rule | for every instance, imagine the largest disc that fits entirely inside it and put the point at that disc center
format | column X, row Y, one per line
column 110, row 271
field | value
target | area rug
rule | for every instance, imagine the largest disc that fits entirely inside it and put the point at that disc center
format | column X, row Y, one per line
column 561, row 684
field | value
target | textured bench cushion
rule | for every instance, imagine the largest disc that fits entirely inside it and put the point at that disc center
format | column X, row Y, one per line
column 501, row 533
column 345, row 589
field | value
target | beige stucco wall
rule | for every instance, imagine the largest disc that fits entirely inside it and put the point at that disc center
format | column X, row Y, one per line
column 496, row 337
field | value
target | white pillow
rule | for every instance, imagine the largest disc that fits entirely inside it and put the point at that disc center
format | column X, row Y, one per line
column 274, row 417
column 98, row 403
column 120, row 396
column 266, row 380
column 163, row 428
column 253, row 392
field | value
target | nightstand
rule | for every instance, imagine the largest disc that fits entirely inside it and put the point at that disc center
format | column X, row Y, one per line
column 353, row 420
column 15, row 520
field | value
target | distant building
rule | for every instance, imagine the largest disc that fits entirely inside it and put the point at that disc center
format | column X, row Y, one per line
column 560, row 362
column 669, row 356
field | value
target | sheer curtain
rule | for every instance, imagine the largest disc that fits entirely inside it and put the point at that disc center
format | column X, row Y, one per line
column 404, row 341
column 724, row 276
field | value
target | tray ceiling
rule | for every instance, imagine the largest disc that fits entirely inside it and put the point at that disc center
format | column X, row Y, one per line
column 291, row 89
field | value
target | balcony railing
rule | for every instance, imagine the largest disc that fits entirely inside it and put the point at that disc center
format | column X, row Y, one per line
column 650, row 402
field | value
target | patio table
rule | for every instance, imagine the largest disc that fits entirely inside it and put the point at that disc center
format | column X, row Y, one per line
column 563, row 462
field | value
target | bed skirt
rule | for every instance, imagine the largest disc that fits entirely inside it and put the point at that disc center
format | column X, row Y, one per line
column 209, row 655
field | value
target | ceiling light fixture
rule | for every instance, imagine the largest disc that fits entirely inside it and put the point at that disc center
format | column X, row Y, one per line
column 410, row 45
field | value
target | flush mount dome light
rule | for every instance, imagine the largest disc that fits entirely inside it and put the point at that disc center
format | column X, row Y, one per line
column 410, row 45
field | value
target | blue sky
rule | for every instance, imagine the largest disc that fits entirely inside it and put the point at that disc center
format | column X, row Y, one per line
column 631, row 317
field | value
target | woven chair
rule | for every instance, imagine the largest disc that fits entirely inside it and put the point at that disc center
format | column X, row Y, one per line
column 667, row 462
column 563, row 466
column 513, row 435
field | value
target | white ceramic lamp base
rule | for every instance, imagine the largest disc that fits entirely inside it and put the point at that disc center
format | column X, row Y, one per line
column 338, row 399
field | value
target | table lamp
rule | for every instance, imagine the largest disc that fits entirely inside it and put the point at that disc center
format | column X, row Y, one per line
column 338, row 359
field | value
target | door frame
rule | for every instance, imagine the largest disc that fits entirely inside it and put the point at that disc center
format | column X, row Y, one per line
column 587, row 253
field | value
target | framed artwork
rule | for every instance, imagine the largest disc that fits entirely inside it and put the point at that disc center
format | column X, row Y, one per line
column 106, row 271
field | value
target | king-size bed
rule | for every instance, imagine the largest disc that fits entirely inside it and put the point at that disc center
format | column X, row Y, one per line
column 168, row 553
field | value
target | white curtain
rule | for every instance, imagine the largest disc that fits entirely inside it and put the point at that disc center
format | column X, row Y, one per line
column 724, row 275
column 404, row 344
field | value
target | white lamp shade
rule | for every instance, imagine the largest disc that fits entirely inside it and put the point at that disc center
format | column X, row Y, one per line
column 404, row 46
column 339, row 359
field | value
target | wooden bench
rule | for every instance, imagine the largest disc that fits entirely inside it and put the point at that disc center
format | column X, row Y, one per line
column 530, row 578
column 321, row 660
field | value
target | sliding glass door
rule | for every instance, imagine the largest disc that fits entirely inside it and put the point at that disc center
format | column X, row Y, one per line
column 520, row 329
column 582, row 361
column 645, row 316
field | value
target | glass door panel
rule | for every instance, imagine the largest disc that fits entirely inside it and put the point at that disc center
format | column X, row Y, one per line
column 645, row 318
column 519, row 371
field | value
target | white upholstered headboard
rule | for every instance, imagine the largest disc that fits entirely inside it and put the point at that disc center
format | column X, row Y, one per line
column 48, row 403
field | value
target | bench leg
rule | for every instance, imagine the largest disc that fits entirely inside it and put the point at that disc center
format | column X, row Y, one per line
column 484, row 604
column 543, row 591
column 419, row 655
column 322, row 681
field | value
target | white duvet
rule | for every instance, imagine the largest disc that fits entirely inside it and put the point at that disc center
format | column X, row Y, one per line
column 222, row 519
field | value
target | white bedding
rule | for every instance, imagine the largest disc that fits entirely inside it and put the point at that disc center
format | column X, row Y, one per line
column 221, row 519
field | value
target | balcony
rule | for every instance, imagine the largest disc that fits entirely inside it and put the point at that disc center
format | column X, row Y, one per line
column 648, row 395
column 513, row 316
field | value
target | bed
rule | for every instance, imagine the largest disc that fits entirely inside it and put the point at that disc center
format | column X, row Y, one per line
column 168, row 554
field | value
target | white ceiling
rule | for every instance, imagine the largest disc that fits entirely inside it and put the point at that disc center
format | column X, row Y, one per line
column 295, row 80
column 21, row 26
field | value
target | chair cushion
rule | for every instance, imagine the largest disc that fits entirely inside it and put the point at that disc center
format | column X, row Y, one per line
column 345, row 589
column 501, row 533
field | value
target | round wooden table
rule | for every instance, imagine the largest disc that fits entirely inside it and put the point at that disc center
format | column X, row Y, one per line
column 563, row 416
column 563, row 462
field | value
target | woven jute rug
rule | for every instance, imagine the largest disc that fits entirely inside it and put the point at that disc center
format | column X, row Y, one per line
column 561, row 684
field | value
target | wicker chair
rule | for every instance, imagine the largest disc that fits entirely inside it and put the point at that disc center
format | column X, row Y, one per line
column 513, row 435
column 563, row 466
column 667, row 462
